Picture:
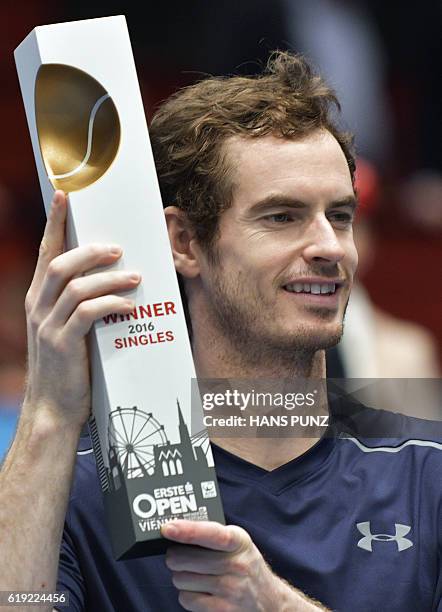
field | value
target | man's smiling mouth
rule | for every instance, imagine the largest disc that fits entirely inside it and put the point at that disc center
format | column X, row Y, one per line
column 315, row 288
column 316, row 291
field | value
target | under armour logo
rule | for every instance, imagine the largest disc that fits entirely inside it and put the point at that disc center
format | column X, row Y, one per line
column 398, row 537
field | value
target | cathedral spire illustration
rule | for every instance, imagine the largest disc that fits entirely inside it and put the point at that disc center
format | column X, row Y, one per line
column 182, row 428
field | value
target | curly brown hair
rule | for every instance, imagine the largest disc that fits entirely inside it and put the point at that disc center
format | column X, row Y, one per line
column 189, row 131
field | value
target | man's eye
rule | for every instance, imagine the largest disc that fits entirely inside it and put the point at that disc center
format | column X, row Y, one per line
column 345, row 218
column 278, row 217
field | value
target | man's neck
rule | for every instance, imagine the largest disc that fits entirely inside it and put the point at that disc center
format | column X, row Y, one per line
column 215, row 357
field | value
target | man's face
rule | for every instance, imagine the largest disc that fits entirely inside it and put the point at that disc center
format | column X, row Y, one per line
column 285, row 255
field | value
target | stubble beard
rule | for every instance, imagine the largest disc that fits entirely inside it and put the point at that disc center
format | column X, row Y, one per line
column 245, row 319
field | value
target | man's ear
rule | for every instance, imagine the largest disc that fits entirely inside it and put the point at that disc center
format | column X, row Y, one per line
column 183, row 241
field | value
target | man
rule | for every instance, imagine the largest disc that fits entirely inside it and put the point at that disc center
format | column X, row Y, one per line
column 257, row 183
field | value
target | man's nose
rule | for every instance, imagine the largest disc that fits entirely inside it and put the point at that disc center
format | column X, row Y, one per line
column 321, row 242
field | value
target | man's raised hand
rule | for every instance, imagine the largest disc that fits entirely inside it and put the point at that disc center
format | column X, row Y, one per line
column 61, row 307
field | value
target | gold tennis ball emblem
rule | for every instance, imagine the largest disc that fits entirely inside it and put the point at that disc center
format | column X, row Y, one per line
column 77, row 124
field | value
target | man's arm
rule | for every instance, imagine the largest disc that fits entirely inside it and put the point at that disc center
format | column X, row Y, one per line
column 217, row 567
column 36, row 476
column 35, row 481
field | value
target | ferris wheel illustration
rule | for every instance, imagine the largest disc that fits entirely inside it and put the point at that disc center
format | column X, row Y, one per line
column 133, row 435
